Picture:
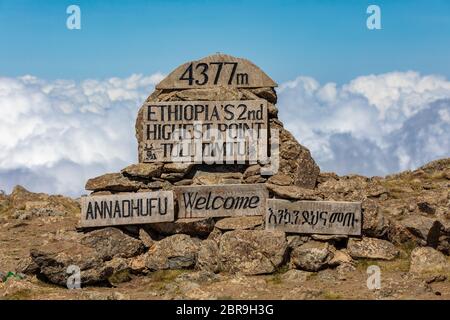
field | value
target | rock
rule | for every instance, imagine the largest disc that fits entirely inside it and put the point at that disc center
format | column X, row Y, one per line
column 374, row 223
column 145, row 238
column 329, row 238
column 253, row 170
column 425, row 228
column 199, row 227
column 344, row 269
column 255, row 179
column 272, row 110
column 137, row 264
column 175, row 252
column 201, row 276
column 215, row 235
column 111, row 242
column 143, row 170
column 251, row 252
column 209, row 94
column 295, row 160
column 27, row 266
column 312, row 256
column 117, row 270
column 54, row 259
column 280, row 180
column 184, row 182
column 211, row 178
column 341, row 257
column 208, row 255
column 293, row 192
column 296, row 241
column 371, row 248
column 426, row 208
column 113, row 182
column 239, row 223
column 426, row 261
column 266, row 93
column 178, row 167
column 294, row 275
column 172, row 177
column 17, row 289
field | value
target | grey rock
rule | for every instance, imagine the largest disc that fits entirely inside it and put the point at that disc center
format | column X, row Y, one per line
column 371, row 248
column 208, row 256
column 312, row 256
column 251, row 252
column 111, row 242
column 175, row 252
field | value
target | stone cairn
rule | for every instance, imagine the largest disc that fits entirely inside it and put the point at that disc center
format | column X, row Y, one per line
column 237, row 244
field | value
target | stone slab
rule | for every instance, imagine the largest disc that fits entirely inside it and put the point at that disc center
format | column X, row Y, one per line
column 217, row 70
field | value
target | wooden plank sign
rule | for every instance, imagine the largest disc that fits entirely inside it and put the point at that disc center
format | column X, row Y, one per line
column 221, row 200
column 314, row 217
column 198, row 129
column 129, row 208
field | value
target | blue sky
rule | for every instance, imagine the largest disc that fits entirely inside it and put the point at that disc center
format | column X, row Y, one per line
column 327, row 40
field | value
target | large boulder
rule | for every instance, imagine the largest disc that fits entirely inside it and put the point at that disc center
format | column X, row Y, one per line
column 53, row 262
column 295, row 160
column 175, row 252
column 111, row 242
column 375, row 224
column 426, row 229
column 208, row 256
column 428, row 261
column 252, row 252
column 371, row 248
column 312, row 256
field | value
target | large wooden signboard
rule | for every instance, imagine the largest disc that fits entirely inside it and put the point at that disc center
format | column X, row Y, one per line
column 314, row 217
column 221, row 200
column 129, row 208
column 164, row 123
column 217, row 70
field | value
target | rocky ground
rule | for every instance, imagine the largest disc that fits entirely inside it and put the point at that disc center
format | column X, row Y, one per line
column 406, row 233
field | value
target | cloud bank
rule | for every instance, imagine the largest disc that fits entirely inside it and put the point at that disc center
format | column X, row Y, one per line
column 373, row 125
column 54, row 135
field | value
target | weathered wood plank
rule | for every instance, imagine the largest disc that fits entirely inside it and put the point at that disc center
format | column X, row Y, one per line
column 221, row 200
column 208, row 128
column 314, row 217
column 129, row 208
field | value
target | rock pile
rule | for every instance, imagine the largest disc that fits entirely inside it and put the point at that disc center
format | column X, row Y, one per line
column 407, row 210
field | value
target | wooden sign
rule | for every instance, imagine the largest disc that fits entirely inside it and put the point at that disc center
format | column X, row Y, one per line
column 314, row 217
column 217, row 70
column 129, row 208
column 221, row 200
column 169, row 129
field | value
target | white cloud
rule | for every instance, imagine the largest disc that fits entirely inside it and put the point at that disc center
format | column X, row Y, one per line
column 374, row 125
column 54, row 135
